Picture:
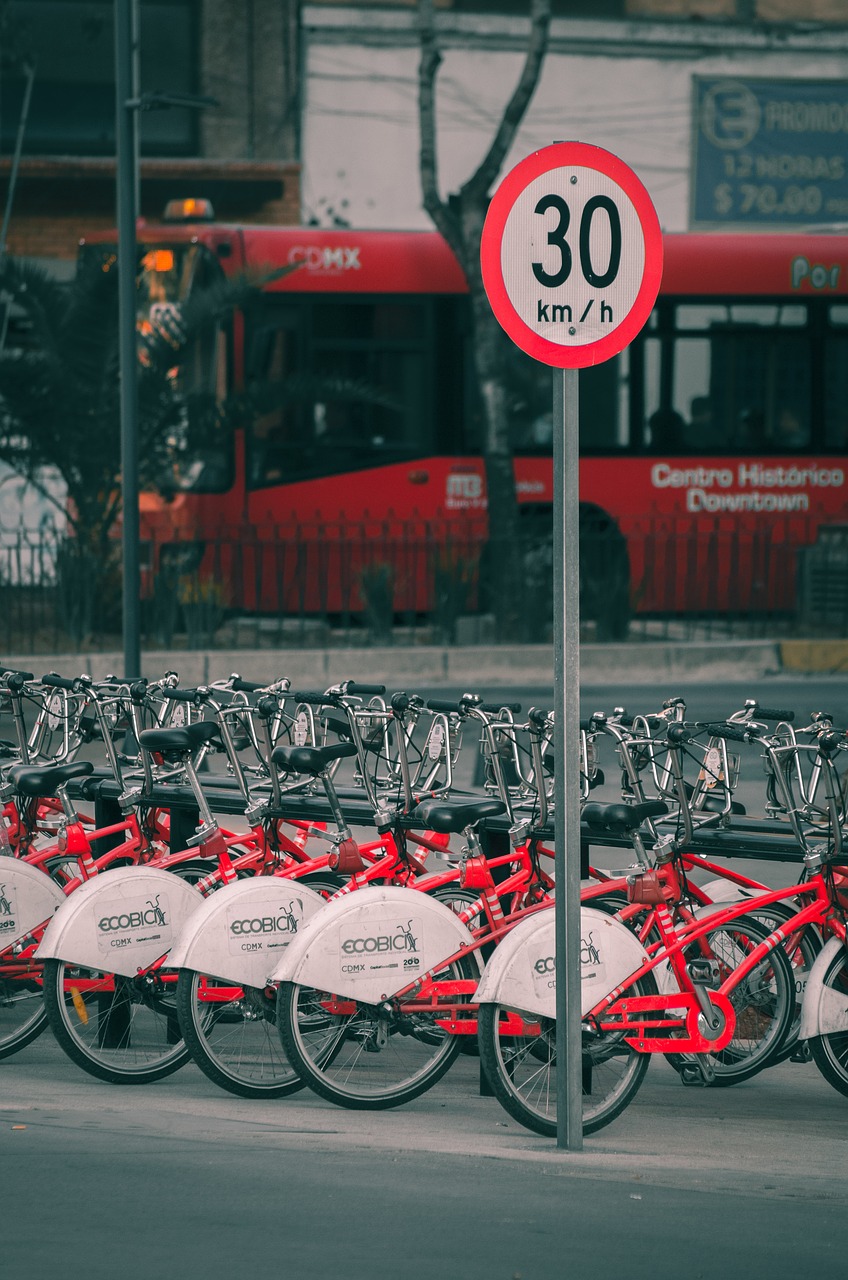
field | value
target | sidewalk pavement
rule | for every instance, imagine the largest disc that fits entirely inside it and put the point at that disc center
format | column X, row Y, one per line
column 779, row 1134
column 424, row 666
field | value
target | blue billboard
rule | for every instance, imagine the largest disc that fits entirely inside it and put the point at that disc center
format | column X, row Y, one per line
column 769, row 153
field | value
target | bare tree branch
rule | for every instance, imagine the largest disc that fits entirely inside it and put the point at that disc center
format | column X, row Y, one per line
column 540, row 20
column 477, row 187
column 428, row 68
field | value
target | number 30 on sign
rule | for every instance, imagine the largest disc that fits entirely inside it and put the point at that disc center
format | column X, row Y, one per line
column 571, row 255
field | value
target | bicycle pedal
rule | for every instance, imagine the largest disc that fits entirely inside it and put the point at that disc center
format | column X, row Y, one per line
column 801, row 1052
column 697, row 1074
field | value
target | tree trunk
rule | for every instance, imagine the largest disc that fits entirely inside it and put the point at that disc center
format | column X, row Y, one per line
column 460, row 220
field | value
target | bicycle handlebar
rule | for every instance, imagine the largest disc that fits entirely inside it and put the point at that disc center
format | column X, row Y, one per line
column 198, row 696
column 238, row 685
column 764, row 713
column 733, row 732
column 17, row 679
column 830, row 742
column 364, row 690
column 54, row 681
column 318, row 699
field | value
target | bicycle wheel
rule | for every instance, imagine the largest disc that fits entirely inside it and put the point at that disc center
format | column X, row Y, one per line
column 764, row 1001
column 123, row 1030
column 231, row 1034
column 801, row 951
column 830, row 1051
column 22, row 1013
column 324, row 883
column 522, row 1069
column 362, row 1056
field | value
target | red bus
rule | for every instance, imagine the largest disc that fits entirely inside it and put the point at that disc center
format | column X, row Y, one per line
column 713, row 449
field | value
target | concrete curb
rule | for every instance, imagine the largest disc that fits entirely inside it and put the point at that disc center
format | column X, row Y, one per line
column 472, row 666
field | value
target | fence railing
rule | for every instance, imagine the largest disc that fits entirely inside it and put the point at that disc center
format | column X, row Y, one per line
column 426, row 583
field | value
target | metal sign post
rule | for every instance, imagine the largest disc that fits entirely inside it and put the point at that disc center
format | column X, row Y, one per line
column 126, row 51
column 571, row 255
column 566, row 418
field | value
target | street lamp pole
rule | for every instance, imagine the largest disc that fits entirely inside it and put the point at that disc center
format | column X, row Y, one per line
column 126, row 97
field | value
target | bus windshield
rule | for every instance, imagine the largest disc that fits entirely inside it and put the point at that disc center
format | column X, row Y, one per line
column 167, row 275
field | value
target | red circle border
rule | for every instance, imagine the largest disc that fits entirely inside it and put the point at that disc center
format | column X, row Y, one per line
column 557, row 156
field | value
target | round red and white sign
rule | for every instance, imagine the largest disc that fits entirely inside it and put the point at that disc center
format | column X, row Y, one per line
column 571, row 254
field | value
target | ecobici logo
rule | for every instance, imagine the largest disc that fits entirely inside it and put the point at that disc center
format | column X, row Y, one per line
column 7, row 915
column 141, row 918
column 283, row 920
column 403, row 939
column 382, row 944
column 589, row 955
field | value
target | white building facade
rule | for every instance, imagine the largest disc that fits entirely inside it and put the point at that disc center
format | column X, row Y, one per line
column 627, row 85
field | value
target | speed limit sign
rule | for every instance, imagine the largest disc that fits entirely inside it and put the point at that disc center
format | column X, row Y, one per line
column 571, row 255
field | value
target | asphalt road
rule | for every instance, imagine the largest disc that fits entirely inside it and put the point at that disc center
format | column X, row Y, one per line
column 179, row 1179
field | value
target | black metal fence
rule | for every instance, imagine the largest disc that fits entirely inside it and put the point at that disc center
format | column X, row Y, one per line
column 427, row 584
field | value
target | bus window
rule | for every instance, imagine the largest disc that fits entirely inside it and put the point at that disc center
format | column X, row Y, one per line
column 353, row 382
column 167, row 276
column 739, row 376
column 836, row 380
column 273, row 362
column 603, row 403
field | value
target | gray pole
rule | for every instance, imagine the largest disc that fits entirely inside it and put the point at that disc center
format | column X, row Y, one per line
column 16, row 158
column 126, row 97
column 567, row 779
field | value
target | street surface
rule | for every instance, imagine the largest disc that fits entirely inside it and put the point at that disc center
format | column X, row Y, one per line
column 180, row 1179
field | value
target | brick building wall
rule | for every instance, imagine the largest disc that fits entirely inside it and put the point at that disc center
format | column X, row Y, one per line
column 248, row 162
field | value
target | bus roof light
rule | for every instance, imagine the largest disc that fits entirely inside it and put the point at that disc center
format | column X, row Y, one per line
column 189, row 210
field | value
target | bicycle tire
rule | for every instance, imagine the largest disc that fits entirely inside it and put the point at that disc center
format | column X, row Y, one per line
column 322, row 882
column 830, row 1051
column 522, row 1070
column 118, row 1029
column 764, row 1002
column 234, row 1041
column 365, row 1059
column 23, row 1017
column 801, row 953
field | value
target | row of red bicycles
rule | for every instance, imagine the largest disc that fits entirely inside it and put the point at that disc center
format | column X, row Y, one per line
column 291, row 889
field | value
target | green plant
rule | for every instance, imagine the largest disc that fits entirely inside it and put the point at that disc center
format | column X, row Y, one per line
column 204, row 608
column 454, row 577
column 377, row 588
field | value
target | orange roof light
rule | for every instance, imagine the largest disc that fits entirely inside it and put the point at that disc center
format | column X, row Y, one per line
column 189, row 210
column 161, row 260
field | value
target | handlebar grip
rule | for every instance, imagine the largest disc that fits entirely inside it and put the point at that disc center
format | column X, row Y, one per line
column 16, row 679
column 138, row 690
column 400, row 702
column 538, row 717
column 317, row 699
column 678, row 733
column 733, row 732
column 267, row 707
column 247, row 686
column 830, row 742
column 499, row 706
column 439, row 704
column 763, row 713
column 353, row 686
column 54, row 681
column 186, row 695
